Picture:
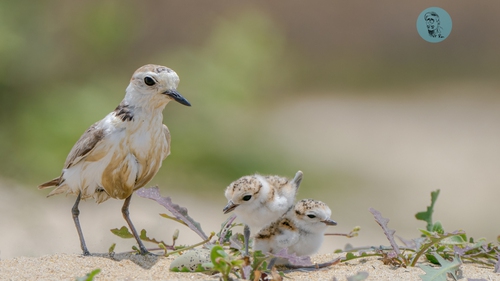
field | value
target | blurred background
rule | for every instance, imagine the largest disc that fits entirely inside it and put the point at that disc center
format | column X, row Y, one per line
column 346, row 91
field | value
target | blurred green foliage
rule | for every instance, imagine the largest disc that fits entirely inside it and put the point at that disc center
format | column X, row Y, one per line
column 229, row 79
column 65, row 65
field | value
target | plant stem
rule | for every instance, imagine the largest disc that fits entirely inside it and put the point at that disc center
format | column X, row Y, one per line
column 192, row 246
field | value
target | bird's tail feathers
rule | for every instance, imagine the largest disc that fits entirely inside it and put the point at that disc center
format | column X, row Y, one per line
column 298, row 179
column 58, row 190
column 54, row 182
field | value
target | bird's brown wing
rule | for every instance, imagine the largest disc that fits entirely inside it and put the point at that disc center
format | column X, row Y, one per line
column 82, row 148
column 85, row 145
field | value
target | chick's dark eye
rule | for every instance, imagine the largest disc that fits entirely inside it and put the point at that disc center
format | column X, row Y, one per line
column 311, row 216
column 247, row 197
column 149, row 81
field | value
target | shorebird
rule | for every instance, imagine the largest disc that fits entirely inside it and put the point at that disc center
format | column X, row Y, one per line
column 122, row 152
column 300, row 230
column 259, row 200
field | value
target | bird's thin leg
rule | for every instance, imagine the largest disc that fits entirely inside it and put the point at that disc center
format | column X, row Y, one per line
column 271, row 263
column 75, row 212
column 126, row 216
column 246, row 235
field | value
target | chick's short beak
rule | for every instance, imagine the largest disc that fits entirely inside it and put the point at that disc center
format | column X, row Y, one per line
column 229, row 207
column 177, row 97
column 329, row 222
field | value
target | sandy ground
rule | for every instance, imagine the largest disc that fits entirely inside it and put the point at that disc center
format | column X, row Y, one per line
column 134, row 267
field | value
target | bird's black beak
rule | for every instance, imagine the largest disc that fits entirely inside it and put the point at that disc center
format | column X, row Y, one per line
column 229, row 207
column 329, row 222
column 177, row 97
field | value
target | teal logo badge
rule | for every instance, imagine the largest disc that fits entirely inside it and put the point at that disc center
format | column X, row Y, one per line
column 434, row 24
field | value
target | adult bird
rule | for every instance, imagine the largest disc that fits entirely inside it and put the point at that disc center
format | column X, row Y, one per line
column 122, row 152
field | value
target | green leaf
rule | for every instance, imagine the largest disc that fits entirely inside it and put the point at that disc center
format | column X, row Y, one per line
column 432, row 239
column 426, row 233
column 90, row 276
column 431, row 258
column 454, row 240
column 440, row 273
column 427, row 215
column 185, row 269
column 217, row 256
column 350, row 256
column 437, row 227
column 122, row 232
column 144, row 237
column 112, row 248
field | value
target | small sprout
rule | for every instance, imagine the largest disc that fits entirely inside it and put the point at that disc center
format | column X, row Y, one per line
column 163, row 247
column 136, row 249
column 427, row 215
column 175, row 235
column 224, row 263
column 111, row 250
column 89, row 276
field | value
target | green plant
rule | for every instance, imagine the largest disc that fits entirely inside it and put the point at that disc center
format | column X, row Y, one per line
column 89, row 276
column 225, row 263
column 447, row 249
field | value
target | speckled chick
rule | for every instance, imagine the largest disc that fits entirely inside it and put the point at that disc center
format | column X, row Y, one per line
column 300, row 230
column 259, row 200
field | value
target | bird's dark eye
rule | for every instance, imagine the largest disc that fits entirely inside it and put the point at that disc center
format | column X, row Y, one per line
column 247, row 197
column 311, row 216
column 149, row 81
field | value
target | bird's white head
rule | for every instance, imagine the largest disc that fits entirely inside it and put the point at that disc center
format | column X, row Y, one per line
column 312, row 215
column 244, row 194
column 153, row 86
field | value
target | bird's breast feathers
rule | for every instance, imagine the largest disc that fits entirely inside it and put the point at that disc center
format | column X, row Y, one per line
column 127, row 158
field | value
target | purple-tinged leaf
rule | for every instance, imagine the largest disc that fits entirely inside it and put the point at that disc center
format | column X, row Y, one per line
column 408, row 243
column 392, row 255
column 179, row 212
column 247, row 270
column 462, row 251
column 293, row 259
column 389, row 233
column 235, row 242
column 225, row 228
